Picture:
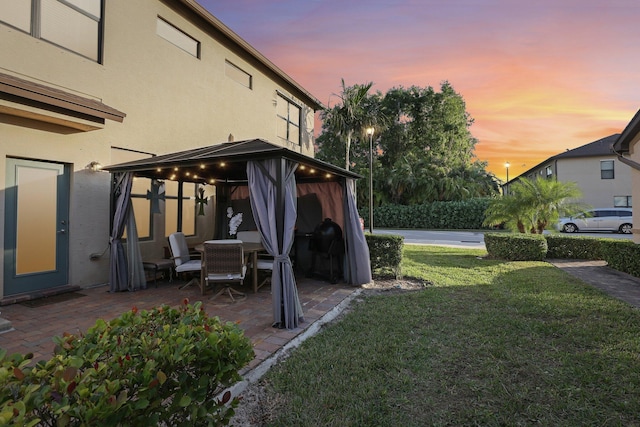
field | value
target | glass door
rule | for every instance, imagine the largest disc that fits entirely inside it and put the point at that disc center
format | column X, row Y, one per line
column 36, row 226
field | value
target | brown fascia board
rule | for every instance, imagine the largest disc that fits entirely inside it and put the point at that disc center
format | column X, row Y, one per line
column 55, row 97
column 245, row 46
column 628, row 134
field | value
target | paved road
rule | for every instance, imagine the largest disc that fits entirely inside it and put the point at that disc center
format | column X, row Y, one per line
column 466, row 239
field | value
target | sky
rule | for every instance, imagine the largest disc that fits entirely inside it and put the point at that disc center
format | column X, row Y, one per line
column 538, row 76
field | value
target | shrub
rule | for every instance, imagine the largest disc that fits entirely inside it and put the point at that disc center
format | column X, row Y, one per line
column 159, row 367
column 385, row 251
column 622, row 255
column 516, row 246
column 573, row 247
column 465, row 214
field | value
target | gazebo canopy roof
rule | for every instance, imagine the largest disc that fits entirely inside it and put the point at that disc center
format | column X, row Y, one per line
column 227, row 162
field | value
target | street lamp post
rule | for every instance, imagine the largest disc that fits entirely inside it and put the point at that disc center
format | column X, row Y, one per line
column 370, row 131
column 506, row 186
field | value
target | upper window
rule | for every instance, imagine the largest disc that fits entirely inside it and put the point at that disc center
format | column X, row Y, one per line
column 606, row 169
column 238, row 74
column 72, row 24
column 288, row 120
column 178, row 37
column 549, row 172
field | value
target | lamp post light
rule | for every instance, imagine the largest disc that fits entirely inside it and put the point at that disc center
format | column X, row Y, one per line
column 370, row 131
column 506, row 186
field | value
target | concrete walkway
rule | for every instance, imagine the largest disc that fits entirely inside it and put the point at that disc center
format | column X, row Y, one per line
column 596, row 273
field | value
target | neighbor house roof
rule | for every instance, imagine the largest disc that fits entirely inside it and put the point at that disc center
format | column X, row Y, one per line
column 239, row 42
column 227, row 162
column 601, row 147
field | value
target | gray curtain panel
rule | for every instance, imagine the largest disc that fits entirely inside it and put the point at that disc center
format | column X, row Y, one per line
column 137, row 279
column 118, row 269
column 272, row 191
column 358, row 260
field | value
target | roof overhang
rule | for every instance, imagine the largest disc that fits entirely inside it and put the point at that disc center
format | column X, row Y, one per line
column 227, row 163
column 629, row 135
column 25, row 98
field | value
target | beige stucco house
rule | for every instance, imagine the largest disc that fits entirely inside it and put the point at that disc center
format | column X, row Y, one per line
column 85, row 83
column 627, row 149
column 603, row 179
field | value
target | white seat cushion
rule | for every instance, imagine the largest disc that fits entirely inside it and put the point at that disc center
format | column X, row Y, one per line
column 191, row 265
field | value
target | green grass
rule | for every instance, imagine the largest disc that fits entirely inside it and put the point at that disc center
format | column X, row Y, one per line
column 490, row 343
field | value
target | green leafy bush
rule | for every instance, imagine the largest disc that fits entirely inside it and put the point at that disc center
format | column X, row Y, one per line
column 385, row 251
column 159, row 367
column 622, row 255
column 455, row 215
column 516, row 246
column 565, row 247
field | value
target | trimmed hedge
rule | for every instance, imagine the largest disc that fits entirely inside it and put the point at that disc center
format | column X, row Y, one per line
column 516, row 247
column 456, row 215
column 622, row 255
column 385, row 252
column 565, row 247
column 165, row 366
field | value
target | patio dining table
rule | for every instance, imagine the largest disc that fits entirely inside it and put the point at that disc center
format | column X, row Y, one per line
column 251, row 250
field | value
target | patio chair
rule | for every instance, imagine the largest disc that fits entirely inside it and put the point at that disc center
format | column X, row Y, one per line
column 265, row 261
column 224, row 263
column 182, row 258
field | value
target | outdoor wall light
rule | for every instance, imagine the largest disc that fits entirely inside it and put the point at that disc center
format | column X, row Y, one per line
column 94, row 166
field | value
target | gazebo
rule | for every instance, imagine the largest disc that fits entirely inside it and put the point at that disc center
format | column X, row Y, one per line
column 271, row 177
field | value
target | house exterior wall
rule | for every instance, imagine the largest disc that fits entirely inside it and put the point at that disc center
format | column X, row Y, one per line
column 172, row 100
column 634, row 154
column 585, row 172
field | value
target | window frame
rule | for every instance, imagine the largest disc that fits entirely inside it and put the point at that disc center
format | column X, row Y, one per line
column 287, row 120
column 179, row 32
column 35, row 26
column 604, row 173
column 168, row 197
column 236, row 73
column 628, row 200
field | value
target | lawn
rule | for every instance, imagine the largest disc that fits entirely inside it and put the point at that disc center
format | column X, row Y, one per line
column 489, row 343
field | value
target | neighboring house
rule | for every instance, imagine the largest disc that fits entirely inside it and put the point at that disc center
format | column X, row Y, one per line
column 627, row 144
column 95, row 82
column 604, row 181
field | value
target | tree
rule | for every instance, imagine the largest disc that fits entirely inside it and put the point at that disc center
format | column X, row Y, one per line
column 349, row 117
column 533, row 204
column 423, row 151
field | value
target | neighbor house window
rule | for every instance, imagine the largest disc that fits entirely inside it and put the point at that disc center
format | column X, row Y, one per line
column 238, row 74
column 622, row 201
column 178, row 37
column 288, row 120
column 606, row 169
column 189, row 192
column 549, row 172
column 75, row 25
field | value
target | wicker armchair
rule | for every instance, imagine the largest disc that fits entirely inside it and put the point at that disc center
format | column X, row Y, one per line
column 223, row 262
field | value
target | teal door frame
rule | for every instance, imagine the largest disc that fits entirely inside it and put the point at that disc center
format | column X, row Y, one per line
column 15, row 283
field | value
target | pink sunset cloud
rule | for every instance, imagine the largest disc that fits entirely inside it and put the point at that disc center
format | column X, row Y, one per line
column 537, row 77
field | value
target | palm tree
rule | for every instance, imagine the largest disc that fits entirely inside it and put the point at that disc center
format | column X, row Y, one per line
column 550, row 200
column 534, row 204
column 351, row 116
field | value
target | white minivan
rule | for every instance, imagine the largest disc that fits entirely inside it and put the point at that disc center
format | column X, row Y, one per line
column 607, row 219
